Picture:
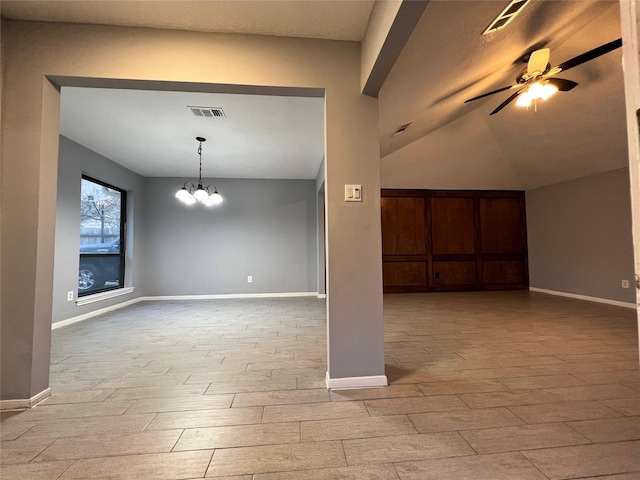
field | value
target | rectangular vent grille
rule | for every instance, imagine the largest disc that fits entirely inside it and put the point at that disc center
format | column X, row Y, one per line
column 207, row 112
column 508, row 14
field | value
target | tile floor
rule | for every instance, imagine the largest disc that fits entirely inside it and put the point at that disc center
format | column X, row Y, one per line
column 498, row 385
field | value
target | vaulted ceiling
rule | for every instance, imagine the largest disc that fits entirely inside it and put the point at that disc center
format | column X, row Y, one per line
column 446, row 60
column 456, row 145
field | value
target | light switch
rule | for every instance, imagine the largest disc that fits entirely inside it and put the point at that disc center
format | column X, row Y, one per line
column 353, row 193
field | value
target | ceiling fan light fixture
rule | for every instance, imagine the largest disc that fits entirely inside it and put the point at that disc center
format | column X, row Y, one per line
column 524, row 100
column 535, row 90
column 548, row 90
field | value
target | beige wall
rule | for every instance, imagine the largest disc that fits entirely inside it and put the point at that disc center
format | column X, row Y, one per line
column 29, row 157
column 630, row 19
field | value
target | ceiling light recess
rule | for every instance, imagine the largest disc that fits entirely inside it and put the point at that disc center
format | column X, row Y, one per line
column 505, row 17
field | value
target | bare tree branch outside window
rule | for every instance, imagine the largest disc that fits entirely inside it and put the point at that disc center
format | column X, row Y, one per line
column 99, row 208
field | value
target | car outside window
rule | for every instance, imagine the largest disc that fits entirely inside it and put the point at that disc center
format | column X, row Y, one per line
column 102, row 228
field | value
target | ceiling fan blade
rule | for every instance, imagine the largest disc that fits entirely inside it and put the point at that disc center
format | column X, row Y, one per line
column 562, row 84
column 586, row 56
column 538, row 61
column 506, row 102
column 491, row 93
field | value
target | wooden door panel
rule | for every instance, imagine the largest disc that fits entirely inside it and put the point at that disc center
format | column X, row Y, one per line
column 403, row 227
column 404, row 274
column 501, row 225
column 452, row 240
column 503, row 272
column 452, row 225
column 454, row 273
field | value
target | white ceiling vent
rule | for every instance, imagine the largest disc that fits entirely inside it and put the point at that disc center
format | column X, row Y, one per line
column 401, row 129
column 508, row 14
column 208, row 112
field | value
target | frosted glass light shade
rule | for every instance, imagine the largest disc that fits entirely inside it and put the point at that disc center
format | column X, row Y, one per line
column 548, row 90
column 189, row 200
column 200, row 195
column 535, row 90
column 524, row 100
column 215, row 198
column 183, row 194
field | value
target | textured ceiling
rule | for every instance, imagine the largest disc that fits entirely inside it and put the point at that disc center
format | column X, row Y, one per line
column 328, row 19
column 457, row 145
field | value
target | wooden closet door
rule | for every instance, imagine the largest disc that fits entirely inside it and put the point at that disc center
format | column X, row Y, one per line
column 504, row 248
column 501, row 225
column 453, row 241
column 404, row 243
column 452, row 225
column 403, row 231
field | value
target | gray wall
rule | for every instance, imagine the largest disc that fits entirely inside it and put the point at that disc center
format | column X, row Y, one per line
column 75, row 160
column 579, row 235
column 264, row 228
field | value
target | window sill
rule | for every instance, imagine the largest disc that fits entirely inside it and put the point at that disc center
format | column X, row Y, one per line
column 103, row 296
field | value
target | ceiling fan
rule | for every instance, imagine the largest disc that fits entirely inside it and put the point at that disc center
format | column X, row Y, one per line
column 535, row 82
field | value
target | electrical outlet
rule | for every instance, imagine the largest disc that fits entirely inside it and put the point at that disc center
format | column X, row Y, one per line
column 625, row 283
column 70, row 296
column 249, row 279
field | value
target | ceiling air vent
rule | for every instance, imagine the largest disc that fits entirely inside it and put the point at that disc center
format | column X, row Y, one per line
column 207, row 112
column 508, row 14
column 401, row 129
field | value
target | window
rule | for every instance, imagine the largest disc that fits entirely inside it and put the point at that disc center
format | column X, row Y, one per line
column 102, row 241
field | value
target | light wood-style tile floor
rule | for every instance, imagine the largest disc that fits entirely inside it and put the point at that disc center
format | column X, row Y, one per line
column 498, row 385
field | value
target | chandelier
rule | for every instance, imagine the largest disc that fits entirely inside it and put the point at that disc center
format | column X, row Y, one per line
column 198, row 193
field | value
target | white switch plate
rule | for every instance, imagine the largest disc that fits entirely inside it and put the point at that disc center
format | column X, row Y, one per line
column 249, row 279
column 353, row 193
column 625, row 283
column 69, row 296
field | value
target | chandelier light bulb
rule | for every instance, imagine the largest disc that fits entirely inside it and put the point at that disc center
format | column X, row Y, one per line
column 189, row 200
column 200, row 194
column 215, row 198
column 183, row 194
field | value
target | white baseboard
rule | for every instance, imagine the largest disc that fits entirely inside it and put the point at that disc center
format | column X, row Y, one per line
column 99, row 297
column 585, row 297
column 24, row 403
column 322, row 295
column 86, row 316
column 80, row 318
column 232, row 295
column 356, row 382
